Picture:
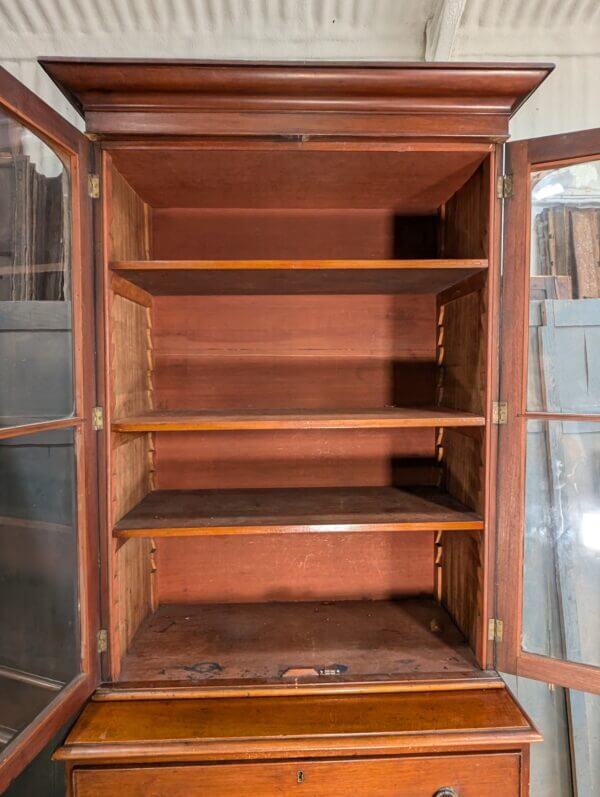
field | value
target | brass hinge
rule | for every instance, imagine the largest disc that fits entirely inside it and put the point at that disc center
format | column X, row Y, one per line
column 102, row 640
column 499, row 413
column 504, row 186
column 495, row 630
column 94, row 185
column 97, row 419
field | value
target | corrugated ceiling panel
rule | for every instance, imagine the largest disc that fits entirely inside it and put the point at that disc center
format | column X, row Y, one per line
column 498, row 28
column 255, row 29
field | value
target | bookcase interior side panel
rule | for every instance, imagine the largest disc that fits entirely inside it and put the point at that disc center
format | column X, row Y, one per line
column 462, row 353
column 130, row 457
column 462, row 562
column 135, row 588
column 131, row 358
column 463, row 466
column 132, row 462
column 132, row 471
column 465, row 231
column 129, row 223
column 462, row 384
column 133, row 577
column 462, row 584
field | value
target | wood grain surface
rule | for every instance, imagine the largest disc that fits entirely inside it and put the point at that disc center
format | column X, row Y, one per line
column 199, row 512
column 218, row 277
column 387, row 418
column 473, row 776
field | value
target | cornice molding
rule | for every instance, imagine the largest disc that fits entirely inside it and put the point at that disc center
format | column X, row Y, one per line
column 194, row 97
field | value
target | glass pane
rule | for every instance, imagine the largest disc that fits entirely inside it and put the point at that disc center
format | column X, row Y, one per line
column 561, row 566
column 39, row 619
column 564, row 293
column 35, row 285
column 566, row 763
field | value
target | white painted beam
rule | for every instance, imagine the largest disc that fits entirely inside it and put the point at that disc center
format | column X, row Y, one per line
column 441, row 30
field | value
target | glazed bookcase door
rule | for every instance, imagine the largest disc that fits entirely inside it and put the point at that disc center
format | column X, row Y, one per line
column 549, row 450
column 48, row 549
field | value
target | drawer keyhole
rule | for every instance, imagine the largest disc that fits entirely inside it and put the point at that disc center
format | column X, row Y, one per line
column 300, row 776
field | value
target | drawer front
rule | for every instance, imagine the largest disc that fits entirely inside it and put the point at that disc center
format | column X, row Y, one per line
column 474, row 775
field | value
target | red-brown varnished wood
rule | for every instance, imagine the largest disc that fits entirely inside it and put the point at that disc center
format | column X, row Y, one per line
column 464, row 355
column 525, row 157
column 388, row 418
column 293, row 567
column 170, row 97
column 7, row 431
column 294, row 458
column 571, row 147
column 301, row 641
column 125, row 353
column 283, row 727
column 407, row 182
column 166, row 513
column 162, row 690
column 312, row 352
column 325, row 233
column 176, row 278
column 73, row 149
column 473, row 776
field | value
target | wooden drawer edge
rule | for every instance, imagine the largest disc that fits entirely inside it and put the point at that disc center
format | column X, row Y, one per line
column 110, row 692
column 249, row 749
column 364, row 775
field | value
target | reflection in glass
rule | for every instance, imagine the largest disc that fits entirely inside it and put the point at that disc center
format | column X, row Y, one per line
column 564, row 300
column 566, row 763
column 561, row 566
column 35, row 289
column 39, row 621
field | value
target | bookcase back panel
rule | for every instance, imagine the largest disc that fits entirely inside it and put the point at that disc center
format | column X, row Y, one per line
column 275, row 233
column 313, row 458
column 309, row 352
column 301, row 567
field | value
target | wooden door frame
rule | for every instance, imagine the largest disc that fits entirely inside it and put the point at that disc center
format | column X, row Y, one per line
column 524, row 157
column 72, row 146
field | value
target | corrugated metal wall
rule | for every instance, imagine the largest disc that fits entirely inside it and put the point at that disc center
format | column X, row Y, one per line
column 564, row 31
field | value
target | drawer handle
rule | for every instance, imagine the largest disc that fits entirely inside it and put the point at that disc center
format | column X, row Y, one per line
column 446, row 791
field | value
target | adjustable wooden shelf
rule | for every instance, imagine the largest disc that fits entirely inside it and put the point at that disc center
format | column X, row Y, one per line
column 207, row 420
column 180, row 513
column 182, row 277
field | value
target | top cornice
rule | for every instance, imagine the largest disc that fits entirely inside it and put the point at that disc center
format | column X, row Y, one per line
column 141, row 97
